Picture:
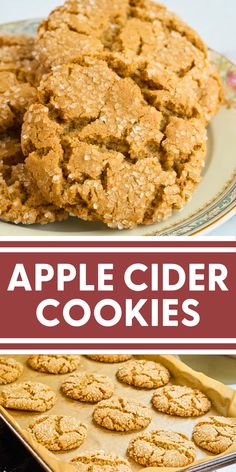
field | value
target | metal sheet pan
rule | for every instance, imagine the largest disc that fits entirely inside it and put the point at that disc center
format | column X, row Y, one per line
column 223, row 399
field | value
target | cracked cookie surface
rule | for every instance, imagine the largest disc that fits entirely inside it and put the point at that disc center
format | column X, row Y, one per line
column 109, row 358
column 177, row 400
column 143, row 374
column 58, row 433
column 138, row 39
column 10, row 370
column 28, row 396
column 125, row 107
column 162, row 448
column 215, row 433
column 100, row 462
column 54, row 364
column 17, row 79
column 104, row 153
column 120, row 414
column 20, row 199
column 89, row 388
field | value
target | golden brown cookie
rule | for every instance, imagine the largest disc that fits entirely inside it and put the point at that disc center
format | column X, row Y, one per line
column 177, row 400
column 89, row 388
column 143, row 374
column 138, row 39
column 96, row 148
column 109, row 358
column 10, row 370
column 100, row 462
column 20, row 199
column 58, row 433
column 10, row 148
column 162, row 448
column 120, row 414
column 28, row 396
column 17, row 79
column 215, row 433
column 54, row 364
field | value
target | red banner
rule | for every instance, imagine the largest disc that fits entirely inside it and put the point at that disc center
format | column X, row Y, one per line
column 144, row 295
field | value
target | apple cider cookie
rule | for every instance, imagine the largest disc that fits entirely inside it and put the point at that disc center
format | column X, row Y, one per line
column 54, row 364
column 120, row 414
column 97, row 149
column 100, row 462
column 28, row 396
column 58, row 433
column 10, row 370
column 109, row 358
column 17, row 79
column 91, row 388
column 20, row 199
column 215, row 434
column 162, row 448
column 177, row 400
column 143, row 374
column 138, row 39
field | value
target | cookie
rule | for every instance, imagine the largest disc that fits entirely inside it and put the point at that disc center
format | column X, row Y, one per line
column 141, row 40
column 58, row 433
column 10, row 370
column 100, row 462
column 54, row 364
column 109, row 358
column 215, row 433
column 17, row 79
column 120, row 414
column 10, row 148
column 89, row 388
column 28, row 396
column 20, row 199
column 162, row 448
column 181, row 401
column 143, row 374
column 96, row 148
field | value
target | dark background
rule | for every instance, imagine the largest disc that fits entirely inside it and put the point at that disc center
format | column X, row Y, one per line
column 13, row 455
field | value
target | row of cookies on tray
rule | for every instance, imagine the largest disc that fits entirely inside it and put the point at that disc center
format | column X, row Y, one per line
column 155, row 448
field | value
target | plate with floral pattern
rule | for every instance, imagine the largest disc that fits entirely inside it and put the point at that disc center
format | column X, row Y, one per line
column 214, row 200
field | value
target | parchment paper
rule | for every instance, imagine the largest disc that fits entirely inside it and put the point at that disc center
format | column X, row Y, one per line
column 223, row 399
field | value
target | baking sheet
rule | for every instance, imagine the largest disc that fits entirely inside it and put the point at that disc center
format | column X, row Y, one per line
column 222, row 397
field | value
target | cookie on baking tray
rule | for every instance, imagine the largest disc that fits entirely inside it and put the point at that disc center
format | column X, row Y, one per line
column 54, row 364
column 86, row 387
column 28, row 396
column 162, row 448
column 100, row 462
column 179, row 400
column 120, row 414
column 58, row 433
column 10, row 370
column 143, row 374
column 215, row 433
column 109, row 358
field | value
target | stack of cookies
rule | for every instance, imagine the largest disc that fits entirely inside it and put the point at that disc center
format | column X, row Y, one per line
column 110, row 408
column 117, row 95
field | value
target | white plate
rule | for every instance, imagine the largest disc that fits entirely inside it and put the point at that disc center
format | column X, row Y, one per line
column 212, row 203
